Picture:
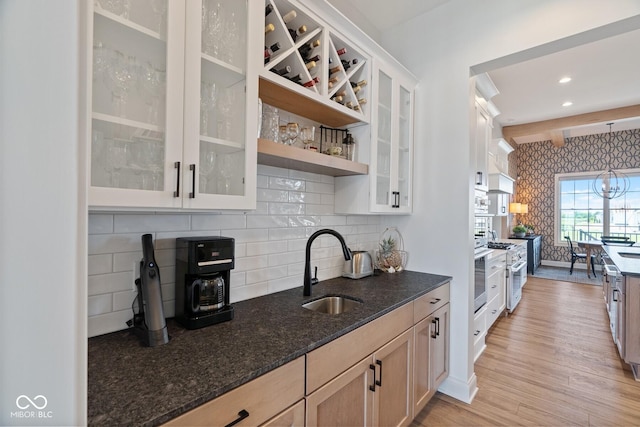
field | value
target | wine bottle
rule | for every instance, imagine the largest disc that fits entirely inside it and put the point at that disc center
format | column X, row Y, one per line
column 289, row 16
column 315, row 58
column 310, row 64
column 268, row 9
column 362, row 101
column 334, row 70
column 349, row 104
column 338, row 99
column 341, row 93
column 346, row 65
column 356, row 89
column 268, row 51
column 341, row 51
column 296, row 33
column 296, row 78
column 282, row 71
column 305, row 49
column 268, row 28
column 311, row 83
column 360, row 83
column 334, row 79
column 356, row 108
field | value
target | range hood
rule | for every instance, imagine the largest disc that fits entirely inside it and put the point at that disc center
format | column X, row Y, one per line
column 499, row 179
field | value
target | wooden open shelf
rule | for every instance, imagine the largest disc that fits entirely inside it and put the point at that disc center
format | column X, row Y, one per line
column 271, row 153
column 305, row 105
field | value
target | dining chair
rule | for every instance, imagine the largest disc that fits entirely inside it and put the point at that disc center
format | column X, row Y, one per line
column 582, row 256
column 617, row 240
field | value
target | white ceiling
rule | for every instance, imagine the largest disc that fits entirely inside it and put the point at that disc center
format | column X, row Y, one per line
column 605, row 74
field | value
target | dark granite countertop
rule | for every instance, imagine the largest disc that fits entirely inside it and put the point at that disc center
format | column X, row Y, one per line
column 626, row 258
column 134, row 385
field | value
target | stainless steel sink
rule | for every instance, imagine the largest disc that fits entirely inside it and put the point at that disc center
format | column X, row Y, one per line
column 332, row 304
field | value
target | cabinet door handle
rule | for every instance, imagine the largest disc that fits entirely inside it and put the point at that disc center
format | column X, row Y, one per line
column 478, row 178
column 494, row 286
column 192, row 168
column 433, row 332
column 241, row 416
column 435, row 301
column 177, row 192
column 379, row 382
column 437, row 326
column 477, row 332
column 396, row 199
column 504, row 209
column 614, row 295
column 372, row 387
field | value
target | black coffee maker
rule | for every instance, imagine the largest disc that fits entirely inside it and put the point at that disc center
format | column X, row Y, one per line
column 203, row 270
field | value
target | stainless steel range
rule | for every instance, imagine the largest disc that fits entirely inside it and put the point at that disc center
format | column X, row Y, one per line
column 516, row 271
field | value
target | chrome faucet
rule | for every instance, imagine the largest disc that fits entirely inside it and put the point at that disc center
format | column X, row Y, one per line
column 308, row 280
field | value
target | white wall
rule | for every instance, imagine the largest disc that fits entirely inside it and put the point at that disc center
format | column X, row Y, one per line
column 440, row 48
column 270, row 244
column 42, row 216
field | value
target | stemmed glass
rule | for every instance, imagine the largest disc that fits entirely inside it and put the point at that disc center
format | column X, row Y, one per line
column 208, row 101
column 293, row 130
column 151, row 87
column 118, row 153
column 230, row 38
column 214, row 30
column 160, row 9
column 225, row 106
column 225, row 169
column 207, row 165
column 119, row 79
column 307, row 134
column 284, row 136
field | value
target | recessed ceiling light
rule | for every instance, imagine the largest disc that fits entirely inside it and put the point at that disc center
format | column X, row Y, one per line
column 564, row 80
column 567, row 104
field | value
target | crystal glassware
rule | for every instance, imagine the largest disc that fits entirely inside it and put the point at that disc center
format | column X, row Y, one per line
column 208, row 102
column 307, row 134
column 225, row 107
column 284, row 136
column 293, row 130
column 207, row 165
column 159, row 7
column 119, row 79
column 215, row 30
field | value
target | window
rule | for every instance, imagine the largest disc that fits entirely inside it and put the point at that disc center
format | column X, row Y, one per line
column 582, row 215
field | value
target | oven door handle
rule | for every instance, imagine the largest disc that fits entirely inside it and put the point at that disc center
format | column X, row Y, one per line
column 518, row 266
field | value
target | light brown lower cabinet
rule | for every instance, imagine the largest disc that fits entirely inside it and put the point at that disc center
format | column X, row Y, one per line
column 381, row 374
column 252, row 403
column 431, row 346
column 375, row 391
column 292, row 417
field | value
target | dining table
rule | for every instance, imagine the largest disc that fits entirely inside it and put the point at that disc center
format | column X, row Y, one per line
column 588, row 246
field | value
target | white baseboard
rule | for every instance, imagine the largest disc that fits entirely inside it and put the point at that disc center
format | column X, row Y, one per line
column 464, row 391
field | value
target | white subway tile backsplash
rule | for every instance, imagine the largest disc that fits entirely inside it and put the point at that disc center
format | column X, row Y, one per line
column 267, row 221
column 281, row 183
column 218, row 222
column 145, row 223
column 100, row 304
column 99, row 264
column 100, row 224
column 270, row 244
column 286, row 209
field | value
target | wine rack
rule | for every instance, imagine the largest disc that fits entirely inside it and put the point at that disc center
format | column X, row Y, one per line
column 311, row 69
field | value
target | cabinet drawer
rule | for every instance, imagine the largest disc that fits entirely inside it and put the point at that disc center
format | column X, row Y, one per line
column 494, row 308
column 335, row 357
column 479, row 324
column 262, row 398
column 430, row 302
column 495, row 285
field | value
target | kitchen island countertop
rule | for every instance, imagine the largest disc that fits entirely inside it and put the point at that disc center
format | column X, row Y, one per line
column 626, row 258
column 134, row 385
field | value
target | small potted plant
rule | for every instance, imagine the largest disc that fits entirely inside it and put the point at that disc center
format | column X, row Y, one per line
column 520, row 230
column 530, row 229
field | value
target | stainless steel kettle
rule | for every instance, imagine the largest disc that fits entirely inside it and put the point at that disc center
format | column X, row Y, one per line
column 360, row 265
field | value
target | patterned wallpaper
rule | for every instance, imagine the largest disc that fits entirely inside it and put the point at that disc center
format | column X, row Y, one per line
column 538, row 162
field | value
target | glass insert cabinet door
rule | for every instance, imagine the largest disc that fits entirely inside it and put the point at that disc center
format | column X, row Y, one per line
column 136, row 89
column 384, row 140
column 169, row 104
column 216, row 95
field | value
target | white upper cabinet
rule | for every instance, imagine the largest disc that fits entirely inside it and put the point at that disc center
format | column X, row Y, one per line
column 174, row 104
column 388, row 188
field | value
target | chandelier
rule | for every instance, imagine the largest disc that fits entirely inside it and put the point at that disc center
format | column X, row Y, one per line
column 610, row 184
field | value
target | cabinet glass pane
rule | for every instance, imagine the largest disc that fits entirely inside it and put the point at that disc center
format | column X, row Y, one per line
column 383, row 160
column 404, row 145
column 129, row 94
column 222, row 97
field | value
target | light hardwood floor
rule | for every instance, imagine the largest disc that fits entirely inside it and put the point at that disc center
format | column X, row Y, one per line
column 550, row 363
